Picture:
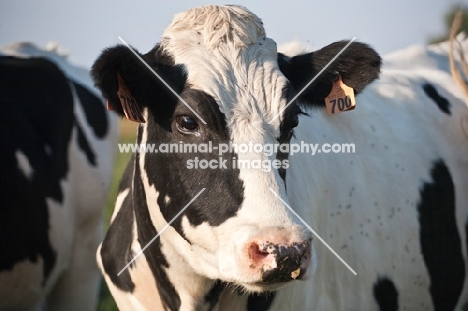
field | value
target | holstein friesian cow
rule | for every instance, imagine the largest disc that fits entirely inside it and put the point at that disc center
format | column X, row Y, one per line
column 57, row 149
column 395, row 209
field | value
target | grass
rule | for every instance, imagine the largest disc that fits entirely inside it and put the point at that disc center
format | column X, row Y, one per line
column 127, row 135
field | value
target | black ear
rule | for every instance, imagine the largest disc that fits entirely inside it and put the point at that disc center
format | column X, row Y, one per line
column 358, row 66
column 144, row 86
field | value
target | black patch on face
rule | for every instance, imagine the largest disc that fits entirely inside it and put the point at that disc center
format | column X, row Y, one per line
column 289, row 122
column 169, row 174
column 386, row 294
column 440, row 241
column 37, row 120
column 153, row 253
column 94, row 110
column 260, row 302
column 116, row 249
column 440, row 101
column 83, row 144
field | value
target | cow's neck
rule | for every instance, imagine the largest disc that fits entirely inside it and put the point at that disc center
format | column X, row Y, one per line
column 179, row 287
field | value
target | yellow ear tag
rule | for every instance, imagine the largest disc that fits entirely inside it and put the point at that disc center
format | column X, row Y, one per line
column 341, row 98
column 129, row 105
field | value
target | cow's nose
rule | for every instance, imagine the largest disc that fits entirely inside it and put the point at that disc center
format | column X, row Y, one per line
column 280, row 263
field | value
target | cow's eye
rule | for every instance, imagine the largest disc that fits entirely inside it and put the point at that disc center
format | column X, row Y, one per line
column 186, row 124
column 295, row 121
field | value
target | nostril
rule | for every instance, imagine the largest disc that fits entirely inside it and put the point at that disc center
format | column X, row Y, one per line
column 261, row 255
column 255, row 253
column 280, row 262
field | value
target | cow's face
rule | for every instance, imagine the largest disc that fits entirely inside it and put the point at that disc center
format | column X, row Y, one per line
column 233, row 88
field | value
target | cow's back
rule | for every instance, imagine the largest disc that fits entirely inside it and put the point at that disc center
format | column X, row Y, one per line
column 57, row 151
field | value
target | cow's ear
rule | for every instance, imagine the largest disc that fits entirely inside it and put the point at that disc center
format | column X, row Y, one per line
column 358, row 66
column 129, row 85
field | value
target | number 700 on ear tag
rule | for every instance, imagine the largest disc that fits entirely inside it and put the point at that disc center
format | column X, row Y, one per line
column 341, row 98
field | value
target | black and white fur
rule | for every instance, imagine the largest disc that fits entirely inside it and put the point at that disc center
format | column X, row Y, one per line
column 57, row 150
column 396, row 210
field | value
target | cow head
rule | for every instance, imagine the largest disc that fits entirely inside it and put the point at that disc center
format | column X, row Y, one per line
column 236, row 87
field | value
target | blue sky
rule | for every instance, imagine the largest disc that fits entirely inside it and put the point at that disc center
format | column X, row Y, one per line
column 85, row 27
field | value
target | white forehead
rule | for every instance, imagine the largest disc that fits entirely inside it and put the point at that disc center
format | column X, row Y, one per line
column 226, row 54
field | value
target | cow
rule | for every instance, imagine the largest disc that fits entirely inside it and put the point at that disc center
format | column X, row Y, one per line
column 192, row 232
column 57, row 151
